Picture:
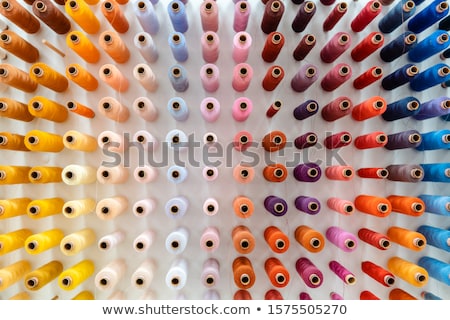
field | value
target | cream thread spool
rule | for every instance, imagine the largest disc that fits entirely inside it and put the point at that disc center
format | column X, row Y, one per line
column 146, row 77
column 75, row 140
column 74, row 243
column 177, row 240
column 75, row 174
column 110, row 275
column 110, row 208
column 143, row 241
column 76, row 208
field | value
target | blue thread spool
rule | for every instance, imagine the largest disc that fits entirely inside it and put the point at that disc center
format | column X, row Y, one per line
column 402, row 108
column 431, row 77
column 445, row 54
column 436, row 172
column 431, row 45
column 177, row 139
column 435, row 11
column 396, row 16
column 177, row 43
column 435, row 140
column 178, row 109
column 439, row 238
column 437, row 269
column 178, row 78
column 444, row 24
column 176, row 207
column 177, row 174
column 178, row 17
column 146, row 15
column 430, row 296
column 417, row 2
column 399, row 46
column 436, row 204
column 306, row 110
column 403, row 140
column 400, row 76
column 436, row 107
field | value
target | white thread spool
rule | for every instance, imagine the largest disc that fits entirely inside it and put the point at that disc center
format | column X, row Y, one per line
column 144, row 207
column 111, row 240
column 145, row 108
column 108, row 277
column 112, row 175
column 177, row 240
column 75, row 174
column 143, row 276
column 143, row 241
column 176, row 277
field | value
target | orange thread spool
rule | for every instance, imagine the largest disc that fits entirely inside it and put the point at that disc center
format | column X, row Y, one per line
column 115, row 16
column 114, row 46
column 374, row 173
column 45, row 174
column 242, row 295
column 13, row 207
column 399, row 294
column 17, row 14
column 312, row 240
column 44, row 108
column 14, row 109
column 369, row 108
column 276, row 239
column 14, row 77
column 81, row 77
column 243, row 207
column 112, row 76
column 274, row 141
column 243, row 239
column 344, row 173
column 243, row 273
column 273, row 77
column 82, row 46
column 411, row 206
column 37, row 140
column 48, row 77
column 12, row 141
column 408, row 271
column 277, row 272
column 272, row 47
column 273, row 294
column 275, row 172
column 341, row 206
column 14, row 175
column 82, row 14
column 376, row 206
column 80, row 109
column 18, row 46
column 407, row 238
column 113, row 109
column 375, row 139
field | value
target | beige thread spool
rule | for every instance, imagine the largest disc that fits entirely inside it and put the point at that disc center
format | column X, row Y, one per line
column 74, row 243
column 113, row 109
column 76, row 208
column 112, row 76
column 109, row 208
column 78, row 141
column 112, row 175
column 146, row 77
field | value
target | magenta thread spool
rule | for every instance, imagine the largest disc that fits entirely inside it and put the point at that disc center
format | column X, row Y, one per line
column 210, row 239
column 242, row 75
column 242, row 12
column 307, row 172
column 276, row 205
column 335, row 47
column 338, row 140
column 210, row 109
column 304, row 296
column 242, row 41
column 304, row 78
column 308, row 205
column 306, row 110
column 210, row 75
column 242, row 140
column 337, row 108
column 309, row 273
column 343, row 273
column 241, row 109
column 339, row 74
column 342, row 239
column 306, row 140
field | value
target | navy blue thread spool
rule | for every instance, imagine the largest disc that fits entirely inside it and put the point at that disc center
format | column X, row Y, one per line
column 435, row 11
column 401, row 12
column 178, row 46
column 308, row 205
column 435, row 140
column 439, row 238
column 431, row 77
column 178, row 78
column 403, row 140
column 178, row 17
column 306, row 110
column 400, row 77
column 305, row 13
column 276, row 205
column 437, row 269
column 399, row 46
column 405, row 173
column 444, row 24
column 433, row 108
column 431, row 45
column 436, row 204
column 436, row 172
column 445, row 54
column 402, row 108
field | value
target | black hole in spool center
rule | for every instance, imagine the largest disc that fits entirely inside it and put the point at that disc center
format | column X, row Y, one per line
column 139, row 281
column 74, row 37
column 175, row 244
column 174, row 209
column 316, row 243
column 32, row 140
column 107, row 5
column 378, row 37
column 210, row 37
column 210, row 173
column 245, row 279
column 37, row 71
column 103, row 282
column 141, row 5
column 70, row 139
column 350, row 244
column 72, row 70
column 245, row 244
column 383, row 208
column 73, row 4
column 141, row 70
column 242, row 38
column 68, row 210
column 344, row 70
column 244, row 173
column 31, row 283
column 68, row 246
column 211, row 208
column 140, row 210
column 209, row 71
column 348, row 173
column 66, row 281
column 34, row 210
column 209, row 138
column 418, row 207
column 140, row 139
column 243, row 139
column 278, row 173
column 175, row 281
column 176, row 38
column 105, row 174
column 103, row 245
column 176, row 139
column 69, row 174
column 175, row 6
column 107, row 71
column 279, row 207
column 141, row 38
column 390, row 281
column 3, row 106
column 31, row 245
column 244, row 208
column 243, row 71
column 105, row 210
column 2, row 140
column 33, row 174
column 420, row 243
column 346, row 138
column 210, row 280
column 175, row 174
column 315, row 279
column 280, row 244
column 417, row 173
column 210, row 106
column 421, row 278
column 313, row 206
column 141, row 173
column 105, row 139
column 4, row 37
column 5, row 4
column 281, row 279
column 140, row 245
column 344, row 38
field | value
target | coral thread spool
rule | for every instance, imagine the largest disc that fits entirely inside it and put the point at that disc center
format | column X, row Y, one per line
column 45, row 174
column 375, row 239
column 12, row 273
column 48, row 77
column 273, row 294
column 209, row 14
column 242, row 141
column 115, row 16
column 11, row 141
column 110, row 208
column 308, row 205
column 375, row 139
column 44, row 108
column 368, row 13
column 18, row 46
column 369, row 108
column 113, row 77
column 376, row 206
column 74, row 276
column 334, row 16
column 14, row 109
column 337, row 108
column 17, row 14
column 335, row 47
column 312, row 240
column 273, row 12
column 343, row 273
column 309, row 273
column 83, row 46
column 305, row 45
column 243, row 273
column 378, row 273
column 243, row 207
column 13, row 240
column 344, row 173
column 40, row 242
column 408, row 271
column 368, row 77
column 243, row 240
column 273, row 77
column 407, row 238
column 367, row 46
column 275, row 172
column 210, row 46
column 242, row 295
column 272, row 46
column 336, row 77
column 412, row 206
column 82, row 14
column 113, row 109
column 43, row 275
column 277, row 272
column 243, row 173
column 306, row 140
column 36, row 140
column 276, row 239
column 13, row 207
column 341, row 206
column 338, row 140
column 342, row 239
column 81, row 77
column 274, row 108
column 242, row 75
column 274, row 141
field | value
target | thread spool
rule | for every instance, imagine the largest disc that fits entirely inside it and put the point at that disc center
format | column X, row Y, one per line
column 429, row 296
column 178, row 46
column 210, row 109
column 342, row 206
column 276, row 272
column 74, row 174
column 400, row 77
column 110, row 275
column 407, row 238
column 272, row 46
column 13, row 273
column 411, row 206
column 436, row 172
column 242, row 10
column 276, row 205
column 146, row 46
column 145, row 174
column 143, row 241
column 177, row 15
column 17, row 14
column 375, row 239
column 18, row 46
column 48, row 77
column 399, row 294
column 312, row 240
column 14, row 109
column 405, row 173
column 144, row 207
column 408, row 271
column 306, row 110
column 75, row 140
column 178, row 78
column 344, row 240
column 378, row 273
column 146, row 15
column 41, row 107
column 434, row 43
column 436, row 204
column 369, row 108
column 243, row 239
column 304, row 47
column 368, row 77
column 40, row 242
column 13, row 240
column 273, row 77
column 17, row 78
column 396, row 16
column 176, row 277
column 276, row 239
column 111, row 240
column 242, row 295
column 436, row 237
column 113, row 109
column 372, row 42
column 398, row 46
column 242, row 141
column 243, row 273
column 309, row 205
column 434, row 140
column 178, row 109
column 210, row 275
column 82, row 15
column 177, row 140
column 304, row 296
column 113, row 77
column 143, row 276
column 403, row 140
column 337, row 76
column 177, row 240
column 305, row 13
column 304, row 78
column 12, row 141
column 307, row 172
column 42, row 174
column 435, row 75
column 14, row 175
column 403, row 108
column 343, row 273
column 433, row 108
column 176, row 207
column 306, row 140
column 13, row 207
column 210, row 42
column 309, row 273
column 437, row 269
column 344, row 173
column 368, row 13
column 242, row 76
column 110, row 208
column 81, row 77
column 275, row 172
column 335, row 16
column 243, row 207
column 76, row 242
column 210, row 207
column 21, row 296
column 42, row 208
column 375, row 139
column 241, row 109
column 243, row 173
column 83, row 46
column 242, row 42
column 76, row 208
column 273, row 12
column 209, row 15
column 424, row 19
column 274, row 141
column 335, row 47
column 209, row 75
column 74, row 276
column 112, row 175
column 145, row 108
column 51, row 16
column 177, row 174
column 36, row 140
column 115, row 16
column 337, row 108
column 273, row 294
column 80, row 109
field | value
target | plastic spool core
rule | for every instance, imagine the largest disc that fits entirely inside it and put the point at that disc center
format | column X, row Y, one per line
column 312, row 138
column 245, row 279
column 68, row 246
column 276, row 38
column 69, row 174
column 35, row 175
column 345, row 138
column 176, row 72
column 67, row 281
column 2, row 177
column 378, row 105
column 243, row 72
column 73, row 4
column 280, row 278
column 141, row 39
column 210, row 38
column 244, row 244
column 141, row 173
column 140, row 246
column 419, row 243
column 175, row 281
column 141, row 5
column 377, row 38
column 242, row 38
column 175, row 139
column 211, row 208
column 103, row 282
column 32, row 245
column 3, row 140
column 312, row 173
column 108, row 6
column 210, row 173
column 421, row 277
column 68, row 210
column 34, row 210
column 350, row 244
column 313, row 206
column 416, row 173
column 175, row 7
column 209, row 72
column 176, row 38
column 389, row 280
column 279, row 207
column 5, row 38
column 3, row 106
column 243, row 106
column 417, row 207
column 105, row 210
column 276, row 72
column 278, row 173
column 38, row 72
column 141, row 70
column 348, row 173
column 315, row 243
column 243, row 139
column 280, row 244
column 343, row 39
column 103, row 245
column 344, row 105
column 32, row 282
column 314, row 279
column 310, row 72
column 210, row 106
column 6, row 5
column 139, row 281
column 174, row 244
column 243, row 209
column 385, row 243
column 348, row 208
column 3, row 72
column 350, row 279
column 210, row 280
column 244, row 173
column 74, row 38
column 70, row 139
column 309, row 7
column 174, row 209
column 382, row 207
column 107, row 72
column 37, row 105
column 311, row 107
column 243, row 6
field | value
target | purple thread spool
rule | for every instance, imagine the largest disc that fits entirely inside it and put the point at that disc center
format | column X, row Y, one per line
column 405, row 173
column 304, row 78
column 308, row 205
column 306, row 140
column 403, row 140
column 276, row 206
column 433, row 108
column 310, row 274
column 343, row 273
column 306, row 110
column 307, row 172
column 342, row 239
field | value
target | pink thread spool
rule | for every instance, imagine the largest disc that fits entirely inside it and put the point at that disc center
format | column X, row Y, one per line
column 343, row 273
column 145, row 174
column 242, row 11
column 341, row 206
column 336, row 296
column 110, row 141
column 336, row 77
column 209, row 15
column 335, row 47
column 210, row 46
column 242, row 140
column 209, row 74
column 343, row 173
column 337, row 108
column 145, row 108
column 143, row 241
column 112, row 76
column 342, row 239
column 242, row 75
column 144, row 207
column 242, row 42
column 304, row 78
column 146, row 140
column 241, row 109
column 210, row 239
column 110, row 208
column 366, row 15
column 113, row 175
column 273, row 77
column 146, row 77
column 210, row 173
column 113, row 109
column 210, row 274
column 309, row 273
column 338, row 140
column 210, row 109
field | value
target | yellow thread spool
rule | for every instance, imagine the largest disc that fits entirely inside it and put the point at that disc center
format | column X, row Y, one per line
column 74, row 174
column 44, row 108
column 10, row 108
column 12, row 141
column 84, row 295
column 76, row 208
column 13, row 240
column 13, row 207
column 77, row 241
column 44, row 207
column 75, row 140
column 408, row 271
column 48, row 77
column 45, row 174
column 82, row 14
column 407, row 238
column 21, row 296
column 16, row 78
column 82, row 46
column 40, row 242
column 14, row 175
column 42, row 276
column 114, row 46
column 81, row 77
column 71, row 278
column 13, row 273
column 36, row 140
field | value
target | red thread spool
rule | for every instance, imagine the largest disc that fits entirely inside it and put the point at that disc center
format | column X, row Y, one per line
column 273, row 77
column 376, row 206
column 273, row 13
column 273, row 294
column 277, row 272
column 376, row 239
column 305, row 45
column 366, row 15
column 344, row 173
column 274, row 108
column 338, row 140
column 373, row 173
column 272, row 47
column 367, row 46
column 369, row 108
column 336, row 77
column 375, row 139
column 367, row 295
column 410, row 206
column 368, row 77
column 335, row 15
column 337, row 108
column 275, row 172
column 378, row 273
column 276, row 239
column 274, row 141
